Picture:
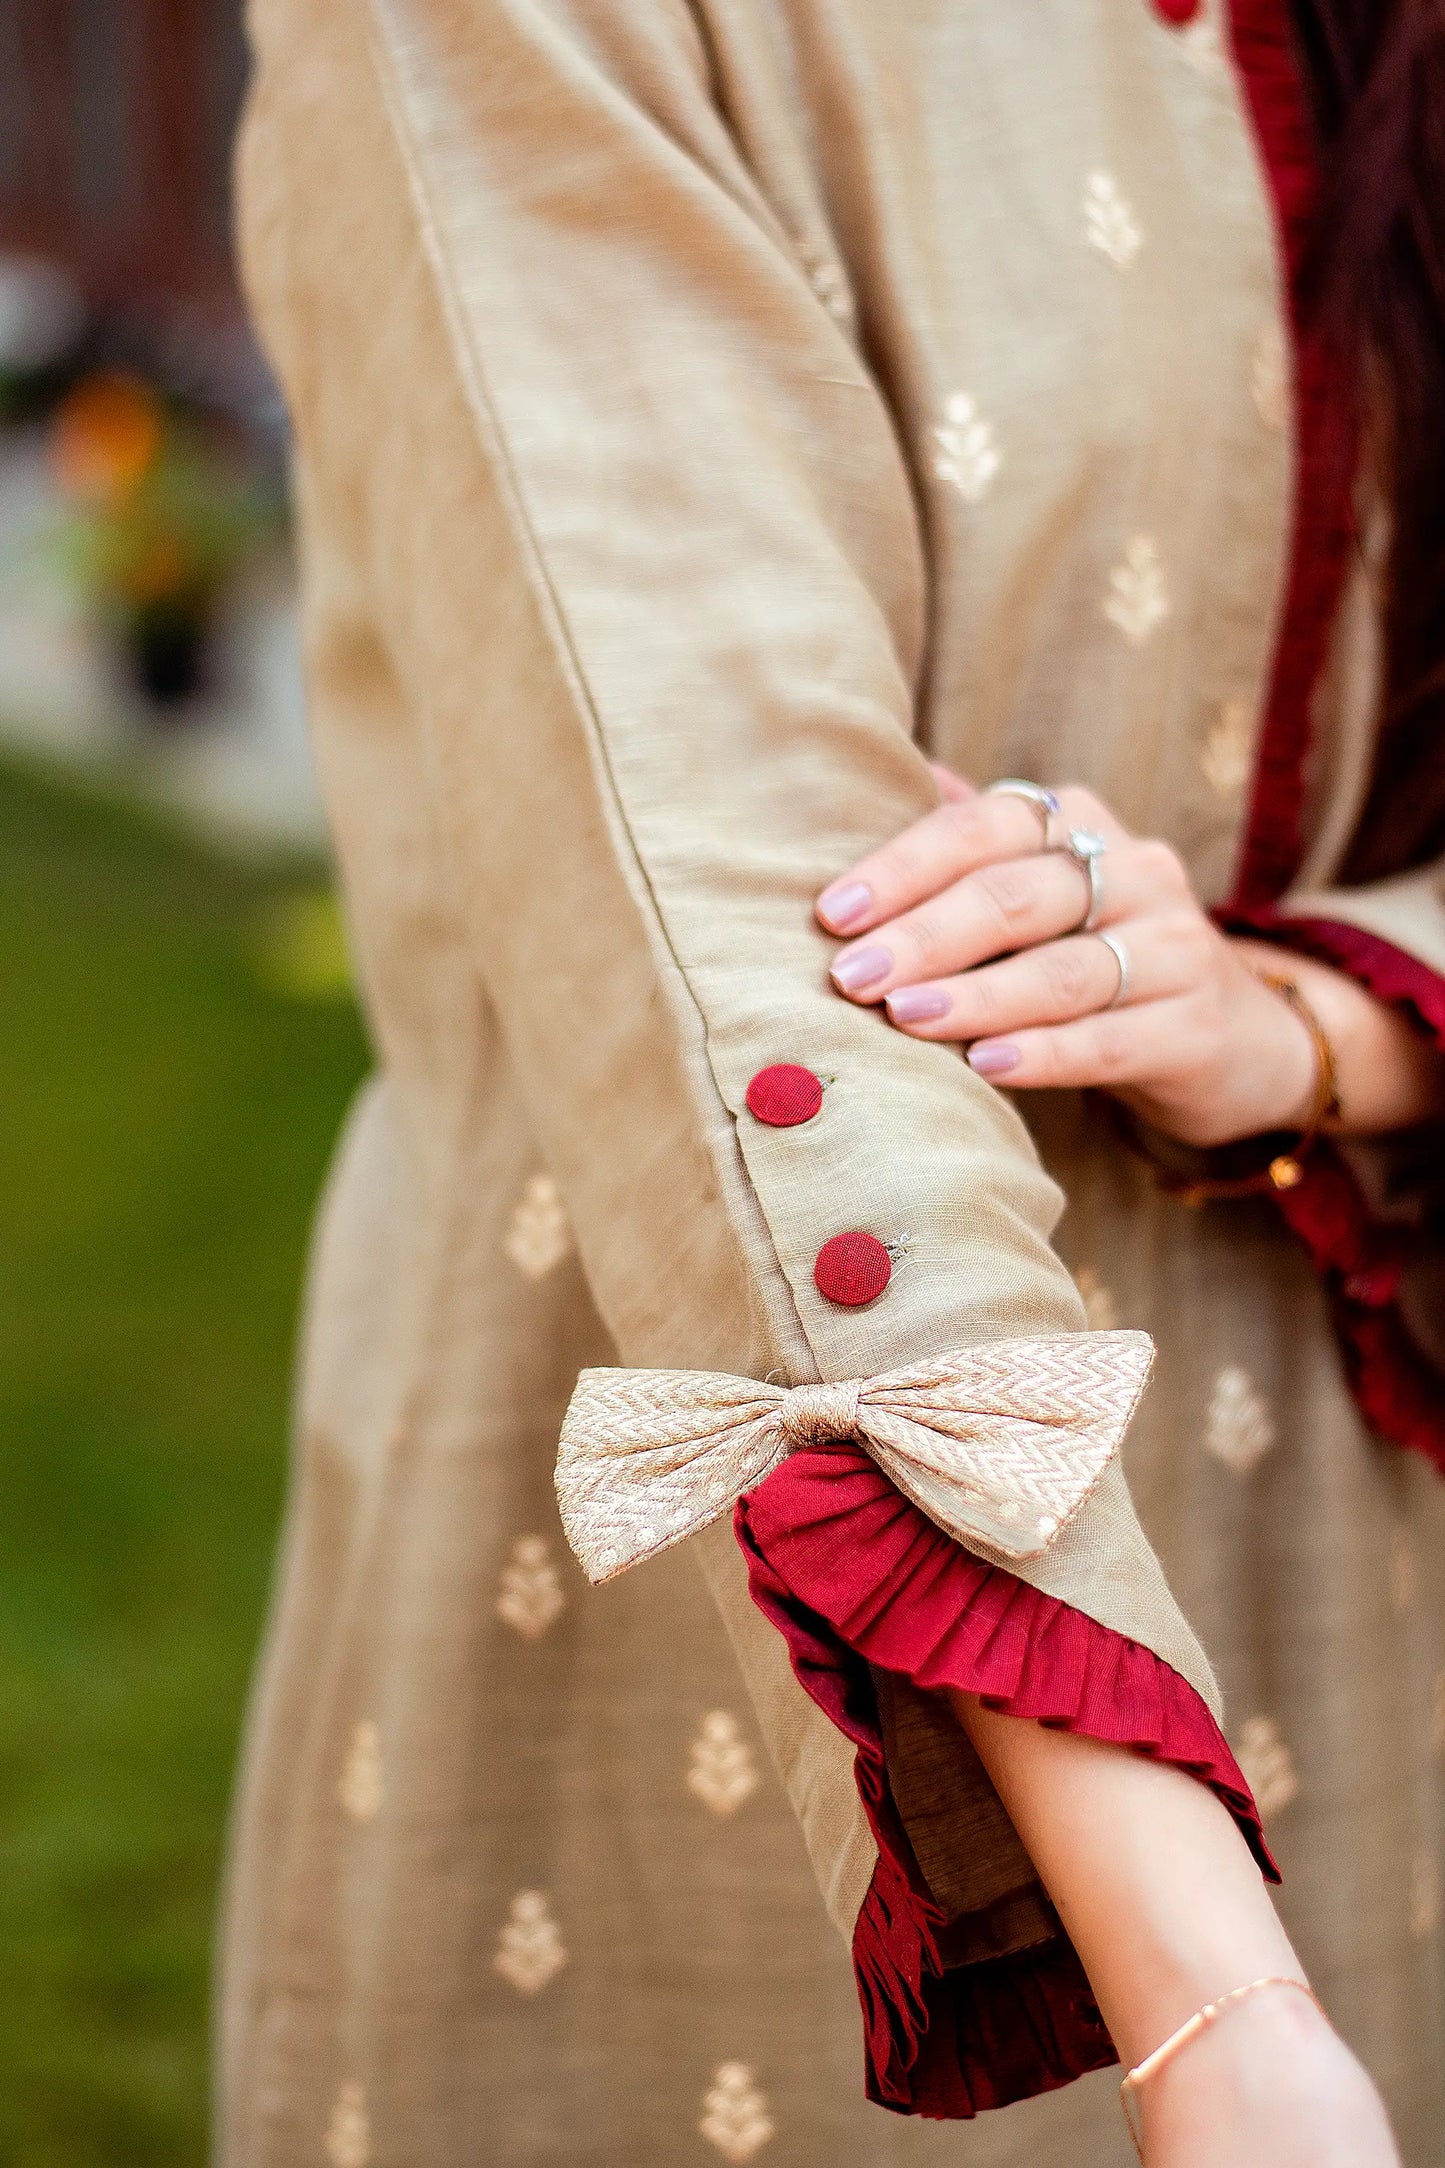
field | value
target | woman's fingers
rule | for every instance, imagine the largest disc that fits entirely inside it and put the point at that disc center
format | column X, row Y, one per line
column 1165, row 951
column 951, row 788
column 970, row 829
column 1109, row 1050
column 995, row 911
column 1050, row 984
column 991, row 912
column 947, row 843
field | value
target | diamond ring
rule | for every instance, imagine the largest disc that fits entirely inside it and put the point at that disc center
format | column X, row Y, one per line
column 1086, row 847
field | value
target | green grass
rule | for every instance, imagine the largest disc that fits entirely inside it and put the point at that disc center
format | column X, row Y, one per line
column 164, row 1123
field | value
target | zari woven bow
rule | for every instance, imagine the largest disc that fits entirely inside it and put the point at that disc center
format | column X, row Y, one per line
column 1000, row 1445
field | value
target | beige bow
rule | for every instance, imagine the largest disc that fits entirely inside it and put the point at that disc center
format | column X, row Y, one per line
column 1000, row 1445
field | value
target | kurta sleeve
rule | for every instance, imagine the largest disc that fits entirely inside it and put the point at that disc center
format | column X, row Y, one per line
column 1372, row 1211
column 630, row 513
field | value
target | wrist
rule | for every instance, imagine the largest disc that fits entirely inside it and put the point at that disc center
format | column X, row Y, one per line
column 1271, row 2029
column 1271, row 2081
column 1156, row 1887
column 1391, row 1073
column 1187, row 1955
column 1277, row 1087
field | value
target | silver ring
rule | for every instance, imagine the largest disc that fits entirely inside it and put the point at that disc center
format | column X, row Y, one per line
column 1086, row 847
column 1044, row 803
column 1120, row 954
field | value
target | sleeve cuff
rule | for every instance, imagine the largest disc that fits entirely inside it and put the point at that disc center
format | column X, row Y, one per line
column 1360, row 1256
column 960, row 2013
column 1392, row 974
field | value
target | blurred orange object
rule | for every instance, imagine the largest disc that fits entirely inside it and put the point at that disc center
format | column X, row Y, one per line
column 106, row 436
column 157, row 568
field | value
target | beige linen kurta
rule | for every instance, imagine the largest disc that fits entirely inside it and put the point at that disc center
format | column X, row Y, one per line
column 702, row 410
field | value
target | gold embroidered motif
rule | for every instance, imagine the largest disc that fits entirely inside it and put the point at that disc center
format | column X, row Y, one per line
column 1138, row 597
column 539, row 1234
column 722, row 1771
column 1100, row 1307
column 1424, row 1897
column 1269, row 376
column 1227, row 756
column 1437, row 1716
column 827, row 281
column 1239, row 1429
column 967, row 455
column 531, row 1594
column 1109, row 224
column 1402, row 1570
column 735, row 2114
column 1268, row 1766
column 359, row 1787
column 348, row 2132
column 530, row 1950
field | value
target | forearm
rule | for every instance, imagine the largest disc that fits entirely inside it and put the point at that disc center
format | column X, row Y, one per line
column 1153, row 1881
column 1168, row 1912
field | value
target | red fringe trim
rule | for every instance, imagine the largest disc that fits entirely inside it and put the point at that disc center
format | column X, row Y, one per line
column 854, row 1575
column 1326, row 449
column 1399, row 1392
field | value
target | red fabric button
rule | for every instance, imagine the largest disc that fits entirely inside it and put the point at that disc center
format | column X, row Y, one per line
column 1177, row 11
column 852, row 1268
column 784, row 1095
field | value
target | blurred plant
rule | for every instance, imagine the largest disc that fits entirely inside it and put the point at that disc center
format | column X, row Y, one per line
column 166, row 513
column 299, row 949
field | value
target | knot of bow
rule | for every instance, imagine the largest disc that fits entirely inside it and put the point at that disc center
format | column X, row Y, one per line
column 1000, row 1445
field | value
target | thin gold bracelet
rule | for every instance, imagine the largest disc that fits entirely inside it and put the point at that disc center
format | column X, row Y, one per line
column 1190, row 2030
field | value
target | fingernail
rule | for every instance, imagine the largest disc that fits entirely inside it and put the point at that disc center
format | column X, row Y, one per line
column 991, row 1057
column 862, row 967
column 911, row 1004
column 844, row 905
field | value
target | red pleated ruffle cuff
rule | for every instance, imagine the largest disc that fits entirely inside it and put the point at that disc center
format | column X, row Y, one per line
column 854, row 1576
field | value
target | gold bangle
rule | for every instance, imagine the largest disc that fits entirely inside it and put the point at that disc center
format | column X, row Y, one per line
column 1186, row 1175
column 1326, row 1106
column 1190, row 2030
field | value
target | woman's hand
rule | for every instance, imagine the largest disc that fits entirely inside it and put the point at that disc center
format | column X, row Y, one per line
column 966, row 929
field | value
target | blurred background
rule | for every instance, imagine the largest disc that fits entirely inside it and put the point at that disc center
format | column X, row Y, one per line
column 179, row 1041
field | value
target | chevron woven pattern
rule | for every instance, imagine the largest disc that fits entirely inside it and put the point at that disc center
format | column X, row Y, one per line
column 1000, row 1445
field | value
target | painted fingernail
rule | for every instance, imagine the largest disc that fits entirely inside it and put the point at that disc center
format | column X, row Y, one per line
column 862, row 967
column 912, row 1004
column 992, row 1057
column 844, row 905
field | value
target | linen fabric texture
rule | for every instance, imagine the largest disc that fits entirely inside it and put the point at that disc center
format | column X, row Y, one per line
column 703, row 414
